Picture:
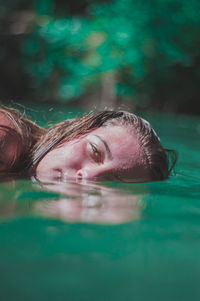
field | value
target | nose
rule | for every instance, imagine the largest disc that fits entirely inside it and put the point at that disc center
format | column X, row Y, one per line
column 81, row 174
column 92, row 173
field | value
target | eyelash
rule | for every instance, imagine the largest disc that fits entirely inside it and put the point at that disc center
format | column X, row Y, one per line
column 96, row 154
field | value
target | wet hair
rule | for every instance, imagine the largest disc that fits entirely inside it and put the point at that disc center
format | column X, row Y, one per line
column 159, row 161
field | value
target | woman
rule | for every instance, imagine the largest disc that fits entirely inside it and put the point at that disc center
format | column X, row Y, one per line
column 108, row 145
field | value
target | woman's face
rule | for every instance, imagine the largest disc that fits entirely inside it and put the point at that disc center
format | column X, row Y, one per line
column 107, row 153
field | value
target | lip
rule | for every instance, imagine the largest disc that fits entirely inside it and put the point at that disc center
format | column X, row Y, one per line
column 63, row 176
column 58, row 174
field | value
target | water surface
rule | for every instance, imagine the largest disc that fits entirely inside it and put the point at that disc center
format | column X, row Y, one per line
column 106, row 241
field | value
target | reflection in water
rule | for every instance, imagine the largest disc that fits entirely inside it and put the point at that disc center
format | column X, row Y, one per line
column 70, row 202
column 90, row 202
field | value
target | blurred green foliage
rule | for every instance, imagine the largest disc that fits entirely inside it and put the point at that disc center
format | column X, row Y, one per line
column 66, row 50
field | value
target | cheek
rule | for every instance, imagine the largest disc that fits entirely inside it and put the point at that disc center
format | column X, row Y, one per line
column 71, row 156
column 47, row 163
column 76, row 155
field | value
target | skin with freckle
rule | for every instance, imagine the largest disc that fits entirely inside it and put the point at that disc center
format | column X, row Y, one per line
column 77, row 157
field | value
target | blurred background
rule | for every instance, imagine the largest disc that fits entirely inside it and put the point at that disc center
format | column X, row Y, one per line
column 142, row 55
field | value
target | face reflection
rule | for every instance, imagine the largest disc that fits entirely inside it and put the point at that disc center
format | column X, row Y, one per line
column 107, row 153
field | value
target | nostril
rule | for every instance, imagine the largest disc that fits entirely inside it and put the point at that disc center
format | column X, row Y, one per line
column 82, row 174
column 79, row 174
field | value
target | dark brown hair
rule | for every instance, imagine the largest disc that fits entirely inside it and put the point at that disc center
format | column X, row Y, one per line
column 38, row 142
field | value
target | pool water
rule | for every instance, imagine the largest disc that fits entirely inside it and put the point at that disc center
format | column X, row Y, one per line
column 106, row 241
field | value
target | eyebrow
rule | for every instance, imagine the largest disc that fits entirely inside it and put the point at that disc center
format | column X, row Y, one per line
column 106, row 146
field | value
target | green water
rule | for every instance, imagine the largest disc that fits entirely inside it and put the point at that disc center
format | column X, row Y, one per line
column 106, row 241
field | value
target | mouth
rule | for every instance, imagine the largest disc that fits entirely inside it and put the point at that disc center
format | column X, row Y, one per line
column 62, row 176
column 56, row 175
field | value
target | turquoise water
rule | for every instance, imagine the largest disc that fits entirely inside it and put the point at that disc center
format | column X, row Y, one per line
column 106, row 241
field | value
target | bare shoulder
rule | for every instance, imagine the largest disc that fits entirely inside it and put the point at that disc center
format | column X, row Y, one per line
column 18, row 135
column 9, row 141
column 6, row 124
column 5, row 120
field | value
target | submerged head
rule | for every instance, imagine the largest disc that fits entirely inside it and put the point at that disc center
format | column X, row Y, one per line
column 108, row 145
